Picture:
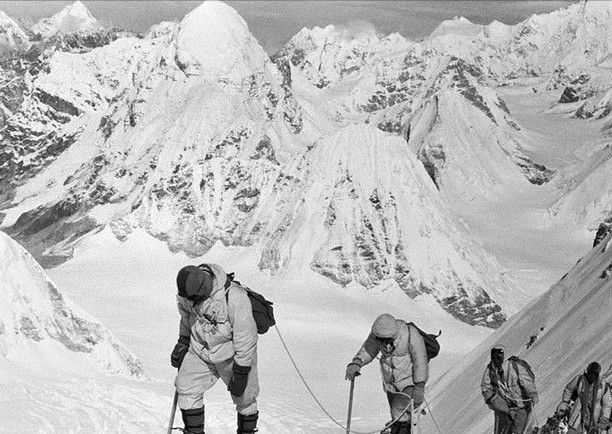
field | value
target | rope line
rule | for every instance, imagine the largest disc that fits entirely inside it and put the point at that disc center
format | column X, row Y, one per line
column 312, row 394
column 432, row 416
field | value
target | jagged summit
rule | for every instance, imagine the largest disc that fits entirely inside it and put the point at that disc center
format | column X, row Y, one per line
column 73, row 18
column 214, row 40
column 35, row 319
column 11, row 35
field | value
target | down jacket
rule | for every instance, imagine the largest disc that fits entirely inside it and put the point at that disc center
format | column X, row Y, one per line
column 405, row 366
column 517, row 388
column 589, row 404
column 220, row 328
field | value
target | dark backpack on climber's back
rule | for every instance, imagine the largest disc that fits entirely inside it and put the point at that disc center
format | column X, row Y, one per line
column 432, row 346
column 263, row 312
column 524, row 364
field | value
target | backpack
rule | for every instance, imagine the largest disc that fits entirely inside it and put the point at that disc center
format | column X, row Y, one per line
column 432, row 346
column 263, row 312
column 517, row 361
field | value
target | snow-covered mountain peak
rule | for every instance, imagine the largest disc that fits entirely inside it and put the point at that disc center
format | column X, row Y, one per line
column 457, row 26
column 497, row 30
column 73, row 18
column 215, row 41
column 36, row 320
column 11, row 35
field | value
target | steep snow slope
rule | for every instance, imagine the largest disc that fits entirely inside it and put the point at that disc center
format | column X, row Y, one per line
column 130, row 285
column 572, row 326
column 36, row 319
column 60, row 369
column 587, row 190
column 71, row 19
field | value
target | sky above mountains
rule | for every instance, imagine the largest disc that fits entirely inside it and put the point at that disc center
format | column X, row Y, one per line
column 275, row 22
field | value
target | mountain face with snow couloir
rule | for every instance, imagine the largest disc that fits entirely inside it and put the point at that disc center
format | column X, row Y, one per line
column 171, row 134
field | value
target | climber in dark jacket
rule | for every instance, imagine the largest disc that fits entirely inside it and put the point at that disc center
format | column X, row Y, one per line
column 586, row 401
column 510, row 392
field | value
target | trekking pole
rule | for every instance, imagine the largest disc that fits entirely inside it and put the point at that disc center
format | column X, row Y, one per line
column 173, row 412
column 350, row 407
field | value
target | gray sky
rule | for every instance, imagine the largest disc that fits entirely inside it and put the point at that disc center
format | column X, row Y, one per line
column 275, row 22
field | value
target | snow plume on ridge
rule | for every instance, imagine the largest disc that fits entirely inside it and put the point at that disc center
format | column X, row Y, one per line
column 368, row 213
column 73, row 18
column 570, row 326
column 357, row 28
column 35, row 316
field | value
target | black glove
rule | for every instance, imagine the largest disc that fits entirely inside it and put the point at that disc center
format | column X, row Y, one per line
column 352, row 371
column 179, row 351
column 239, row 379
column 418, row 394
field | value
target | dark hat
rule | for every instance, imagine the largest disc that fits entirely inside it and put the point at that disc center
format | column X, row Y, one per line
column 594, row 368
column 498, row 349
column 194, row 283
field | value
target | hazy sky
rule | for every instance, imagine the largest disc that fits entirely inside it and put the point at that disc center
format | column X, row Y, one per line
column 275, row 22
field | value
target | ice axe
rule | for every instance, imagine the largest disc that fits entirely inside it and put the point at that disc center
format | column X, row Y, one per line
column 350, row 407
column 172, row 412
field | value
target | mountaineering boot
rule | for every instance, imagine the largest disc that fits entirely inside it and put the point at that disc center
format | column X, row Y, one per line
column 247, row 424
column 400, row 428
column 193, row 420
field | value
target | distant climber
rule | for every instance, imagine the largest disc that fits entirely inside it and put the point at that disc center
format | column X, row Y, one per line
column 217, row 339
column 586, row 402
column 509, row 390
column 532, row 340
column 404, row 367
column 407, row 134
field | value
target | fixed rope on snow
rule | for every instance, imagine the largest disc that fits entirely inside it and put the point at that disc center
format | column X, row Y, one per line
column 339, row 424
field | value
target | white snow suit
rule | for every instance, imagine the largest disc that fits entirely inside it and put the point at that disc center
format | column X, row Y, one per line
column 589, row 403
column 401, row 368
column 222, row 332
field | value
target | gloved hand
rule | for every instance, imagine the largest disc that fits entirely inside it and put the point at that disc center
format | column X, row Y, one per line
column 179, row 351
column 240, row 376
column 352, row 371
column 418, row 394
